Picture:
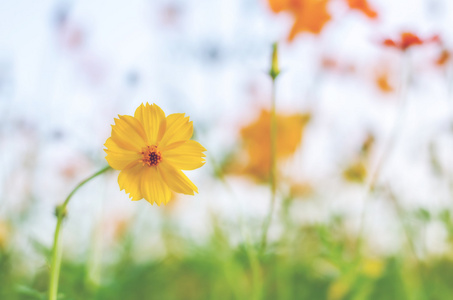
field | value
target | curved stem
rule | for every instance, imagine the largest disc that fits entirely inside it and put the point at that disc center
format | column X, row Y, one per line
column 388, row 148
column 56, row 248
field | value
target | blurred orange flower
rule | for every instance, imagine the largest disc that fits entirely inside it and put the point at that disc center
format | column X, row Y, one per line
column 116, row 227
column 256, row 139
column 329, row 63
column 281, row 5
column 383, row 82
column 407, row 40
column 443, row 58
column 364, row 7
column 309, row 15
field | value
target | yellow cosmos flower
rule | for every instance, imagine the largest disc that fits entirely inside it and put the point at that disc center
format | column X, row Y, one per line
column 150, row 150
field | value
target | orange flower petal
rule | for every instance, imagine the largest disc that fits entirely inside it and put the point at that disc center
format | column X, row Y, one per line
column 364, row 7
column 389, row 43
column 409, row 39
column 311, row 17
column 443, row 58
column 280, row 5
column 383, row 80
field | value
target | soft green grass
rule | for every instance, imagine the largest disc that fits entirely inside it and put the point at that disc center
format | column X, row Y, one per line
column 308, row 262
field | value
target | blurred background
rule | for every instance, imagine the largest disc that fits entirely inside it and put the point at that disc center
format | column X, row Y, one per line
column 365, row 135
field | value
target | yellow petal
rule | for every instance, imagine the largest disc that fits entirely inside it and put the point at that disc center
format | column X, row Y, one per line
column 176, row 179
column 179, row 128
column 188, row 156
column 130, row 181
column 153, row 187
column 128, row 133
column 154, row 122
column 119, row 158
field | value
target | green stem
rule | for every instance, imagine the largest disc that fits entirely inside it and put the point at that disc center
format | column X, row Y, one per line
column 257, row 277
column 56, row 248
column 273, row 164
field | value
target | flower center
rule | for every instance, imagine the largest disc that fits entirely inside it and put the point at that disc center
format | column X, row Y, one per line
column 151, row 156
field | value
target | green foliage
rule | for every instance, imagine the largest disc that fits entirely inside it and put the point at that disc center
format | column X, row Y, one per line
column 317, row 261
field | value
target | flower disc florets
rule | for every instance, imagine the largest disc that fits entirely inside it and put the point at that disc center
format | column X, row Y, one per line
column 151, row 156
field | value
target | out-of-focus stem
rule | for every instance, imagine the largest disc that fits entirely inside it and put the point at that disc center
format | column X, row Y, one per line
column 388, row 148
column 56, row 248
column 257, row 277
column 274, row 72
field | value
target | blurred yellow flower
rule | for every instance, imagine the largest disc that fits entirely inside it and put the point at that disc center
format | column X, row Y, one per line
column 301, row 189
column 256, row 139
column 4, row 234
column 373, row 268
column 356, row 172
column 338, row 289
column 150, row 150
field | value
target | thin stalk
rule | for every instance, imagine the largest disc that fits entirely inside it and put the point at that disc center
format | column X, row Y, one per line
column 56, row 248
column 273, row 73
column 405, row 228
column 411, row 243
column 257, row 276
column 272, row 174
column 388, row 148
